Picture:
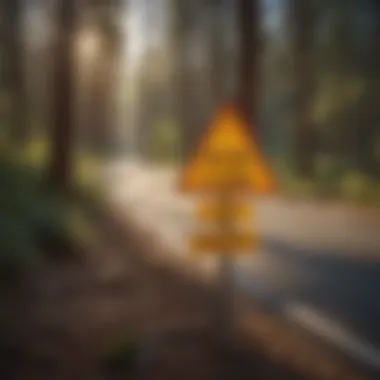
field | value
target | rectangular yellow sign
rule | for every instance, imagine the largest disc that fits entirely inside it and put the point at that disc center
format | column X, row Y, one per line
column 223, row 243
column 214, row 211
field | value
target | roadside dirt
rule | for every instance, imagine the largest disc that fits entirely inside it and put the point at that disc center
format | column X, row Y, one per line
column 62, row 319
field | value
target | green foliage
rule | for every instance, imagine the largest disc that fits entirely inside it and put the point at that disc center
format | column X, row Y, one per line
column 331, row 182
column 360, row 188
column 164, row 141
column 85, row 169
column 121, row 356
column 33, row 221
column 288, row 182
column 6, row 331
column 4, row 113
column 377, row 149
column 77, row 226
column 36, row 151
column 328, row 173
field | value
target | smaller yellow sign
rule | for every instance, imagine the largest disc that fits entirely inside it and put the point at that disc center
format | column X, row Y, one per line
column 228, row 244
column 213, row 212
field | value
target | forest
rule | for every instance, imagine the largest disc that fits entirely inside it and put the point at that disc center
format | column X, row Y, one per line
column 90, row 83
column 305, row 75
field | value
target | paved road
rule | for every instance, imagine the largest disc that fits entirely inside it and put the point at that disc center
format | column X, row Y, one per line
column 318, row 265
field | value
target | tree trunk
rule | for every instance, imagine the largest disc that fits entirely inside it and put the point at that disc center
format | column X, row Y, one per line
column 305, row 137
column 182, row 26
column 101, row 98
column 248, row 93
column 15, row 72
column 103, row 81
column 145, row 112
column 217, row 57
column 368, row 131
column 60, row 170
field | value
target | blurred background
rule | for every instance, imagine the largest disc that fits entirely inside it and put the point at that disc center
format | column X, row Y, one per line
column 145, row 78
column 107, row 99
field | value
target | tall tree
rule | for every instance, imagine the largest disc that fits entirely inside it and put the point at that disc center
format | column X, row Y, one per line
column 14, row 56
column 182, row 18
column 103, row 81
column 249, row 30
column 303, row 19
column 369, row 131
column 217, row 57
column 62, row 126
column 154, row 95
column 335, row 59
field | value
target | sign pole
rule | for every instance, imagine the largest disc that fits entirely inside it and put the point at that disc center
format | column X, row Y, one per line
column 227, row 165
column 226, row 301
column 226, row 277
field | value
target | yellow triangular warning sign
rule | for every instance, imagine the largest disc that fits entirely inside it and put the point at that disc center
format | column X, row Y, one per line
column 227, row 158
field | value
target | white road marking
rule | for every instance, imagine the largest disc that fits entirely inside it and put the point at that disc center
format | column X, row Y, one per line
column 332, row 331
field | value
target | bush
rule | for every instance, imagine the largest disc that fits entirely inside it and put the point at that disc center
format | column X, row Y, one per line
column 33, row 220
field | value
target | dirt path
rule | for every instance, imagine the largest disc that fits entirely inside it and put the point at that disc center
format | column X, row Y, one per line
column 68, row 314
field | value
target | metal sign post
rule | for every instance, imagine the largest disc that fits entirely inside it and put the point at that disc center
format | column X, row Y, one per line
column 226, row 276
column 227, row 164
column 226, row 316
